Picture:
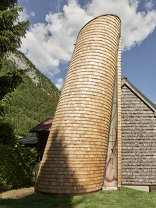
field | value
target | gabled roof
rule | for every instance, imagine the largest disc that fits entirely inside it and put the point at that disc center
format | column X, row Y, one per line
column 43, row 126
column 126, row 82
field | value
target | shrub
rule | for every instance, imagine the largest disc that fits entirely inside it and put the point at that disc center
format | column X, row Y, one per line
column 15, row 167
column 7, row 135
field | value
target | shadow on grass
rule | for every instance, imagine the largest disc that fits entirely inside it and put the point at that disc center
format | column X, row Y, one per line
column 38, row 201
column 126, row 198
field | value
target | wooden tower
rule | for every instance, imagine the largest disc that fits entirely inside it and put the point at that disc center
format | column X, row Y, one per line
column 75, row 154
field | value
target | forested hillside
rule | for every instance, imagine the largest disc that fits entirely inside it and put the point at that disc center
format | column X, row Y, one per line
column 34, row 100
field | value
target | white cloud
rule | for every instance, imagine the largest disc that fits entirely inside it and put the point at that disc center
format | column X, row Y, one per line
column 25, row 15
column 59, row 83
column 148, row 5
column 136, row 26
column 48, row 44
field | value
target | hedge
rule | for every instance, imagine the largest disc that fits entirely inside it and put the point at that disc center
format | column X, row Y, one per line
column 15, row 167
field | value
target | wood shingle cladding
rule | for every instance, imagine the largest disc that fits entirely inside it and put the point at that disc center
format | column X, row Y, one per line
column 75, row 154
column 138, row 137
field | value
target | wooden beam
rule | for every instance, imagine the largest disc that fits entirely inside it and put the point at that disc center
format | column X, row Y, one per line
column 119, row 114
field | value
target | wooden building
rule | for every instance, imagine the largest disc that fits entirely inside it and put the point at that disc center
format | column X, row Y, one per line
column 138, row 137
column 42, row 133
column 75, row 154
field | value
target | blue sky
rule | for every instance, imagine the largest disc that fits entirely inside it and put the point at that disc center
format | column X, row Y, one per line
column 54, row 26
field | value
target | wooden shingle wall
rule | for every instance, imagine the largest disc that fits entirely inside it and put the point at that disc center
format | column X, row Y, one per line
column 138, row 140
column 75, row 153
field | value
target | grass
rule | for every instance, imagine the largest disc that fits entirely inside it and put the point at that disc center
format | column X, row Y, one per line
column 126, row 198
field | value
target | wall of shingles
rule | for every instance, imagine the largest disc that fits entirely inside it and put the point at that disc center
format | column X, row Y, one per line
column 75, row 154
column 138, row 141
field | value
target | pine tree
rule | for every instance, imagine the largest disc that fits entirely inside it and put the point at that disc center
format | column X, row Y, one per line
column 11, row 32
column 15, row 162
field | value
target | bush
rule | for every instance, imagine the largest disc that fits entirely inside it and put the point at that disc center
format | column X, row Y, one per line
column 7, row 135
column 15, row 167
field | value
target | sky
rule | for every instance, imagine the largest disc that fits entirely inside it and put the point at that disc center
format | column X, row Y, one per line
column 54, row 25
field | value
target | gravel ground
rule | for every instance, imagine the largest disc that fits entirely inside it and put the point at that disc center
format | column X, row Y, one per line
column 17, row 194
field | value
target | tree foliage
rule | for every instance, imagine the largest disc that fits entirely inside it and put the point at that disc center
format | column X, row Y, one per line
column 10, row 78
column 7, row 136
column 31, row 102
column 15, row 167
column 15, row 162
column 8, row 83
column 11, row 30
column 5, row 4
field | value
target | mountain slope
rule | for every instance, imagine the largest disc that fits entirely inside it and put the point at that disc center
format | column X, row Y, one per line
column 34, row 100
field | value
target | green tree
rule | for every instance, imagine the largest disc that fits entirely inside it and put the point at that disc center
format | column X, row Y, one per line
column 8, row 83
column 11, row 32
column 15, row 165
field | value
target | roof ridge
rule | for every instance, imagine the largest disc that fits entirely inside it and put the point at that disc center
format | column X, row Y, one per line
column 147, row 99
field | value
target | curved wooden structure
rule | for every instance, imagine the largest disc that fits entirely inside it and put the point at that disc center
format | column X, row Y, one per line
column 74, row 158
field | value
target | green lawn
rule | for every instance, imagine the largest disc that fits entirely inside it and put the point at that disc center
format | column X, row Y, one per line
column 126, row 198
